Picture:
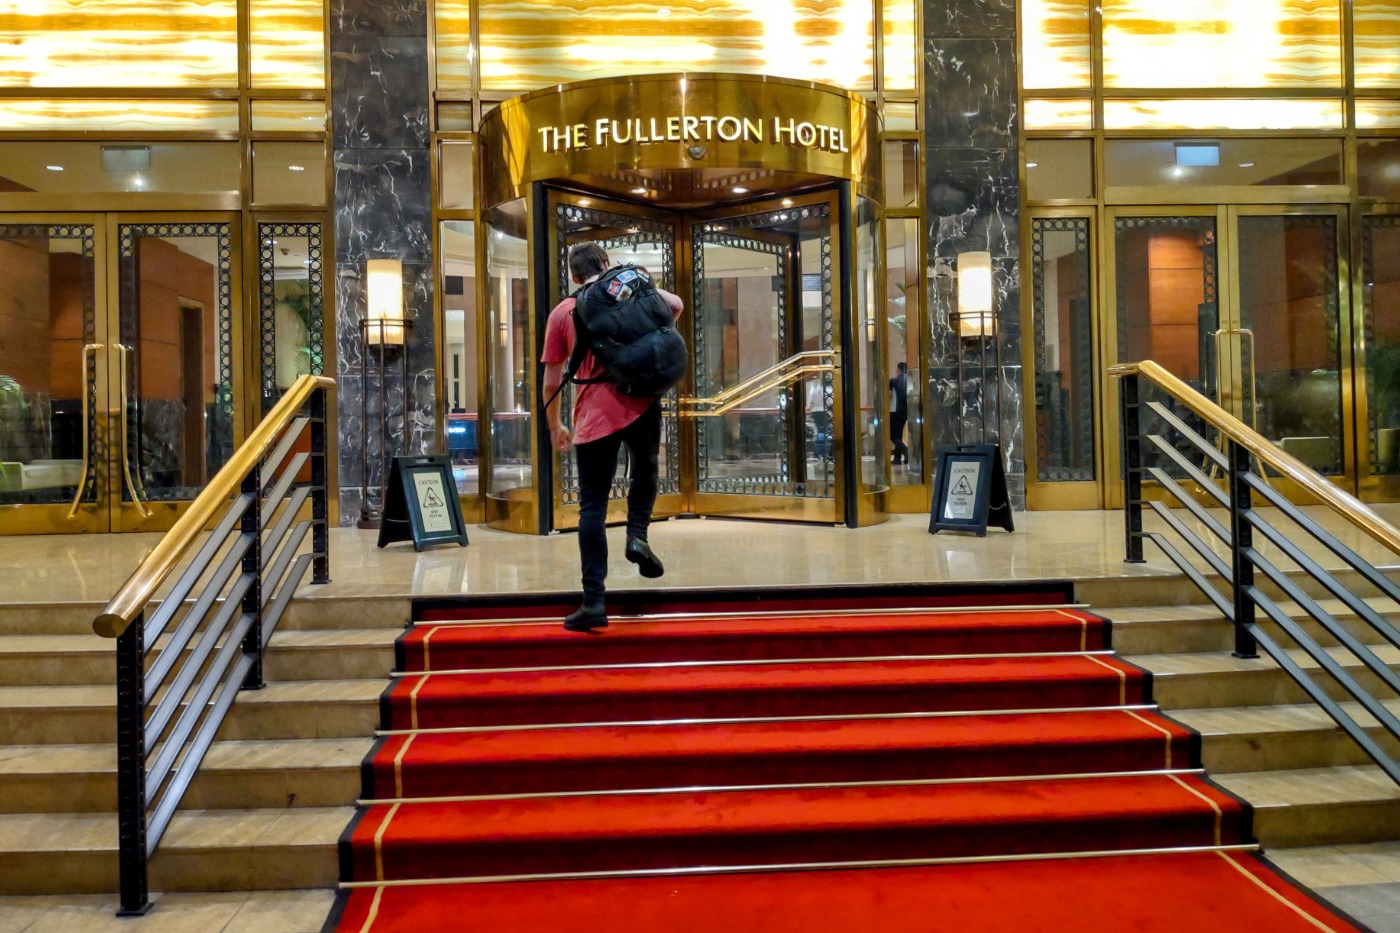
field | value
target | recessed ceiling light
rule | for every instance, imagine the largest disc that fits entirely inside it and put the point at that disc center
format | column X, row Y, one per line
column 663, row 12
column 584, row 202
column 639, row 191
column 740, row 189
column 1178, row 171
column 296, row 168
column 787, row 202
column 1032, row 164
column 1246, row 165
column 54, row 168
column 139, row 182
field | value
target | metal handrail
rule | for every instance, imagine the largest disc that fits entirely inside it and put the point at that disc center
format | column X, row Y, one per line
column 780, row 374
column 1338, row 500
column 216, row 619
column 141, row 586
column 1237, row 447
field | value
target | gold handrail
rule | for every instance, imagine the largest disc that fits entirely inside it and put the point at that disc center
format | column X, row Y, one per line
column 774, row 376
column 1339, row 501
column 137, row 591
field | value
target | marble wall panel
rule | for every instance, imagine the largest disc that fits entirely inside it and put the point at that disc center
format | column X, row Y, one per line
column 380, row 92
column 976, row 103
column 383, row 205
column 970, row 19
column 384, row 18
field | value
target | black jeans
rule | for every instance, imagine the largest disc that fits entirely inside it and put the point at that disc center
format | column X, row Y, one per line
column 597, row 466
column 901, row 449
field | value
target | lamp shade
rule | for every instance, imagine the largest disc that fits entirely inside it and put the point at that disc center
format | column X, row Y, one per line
column 974, row 294
column 384, row 302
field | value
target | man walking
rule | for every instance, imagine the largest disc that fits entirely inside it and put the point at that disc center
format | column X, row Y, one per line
column 605, row 419
column 899, row 413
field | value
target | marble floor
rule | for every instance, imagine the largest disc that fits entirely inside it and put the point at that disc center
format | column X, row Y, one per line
column 698, row 553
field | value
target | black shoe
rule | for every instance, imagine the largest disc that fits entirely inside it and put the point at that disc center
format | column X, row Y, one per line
column 591, row 615
column 639, row 553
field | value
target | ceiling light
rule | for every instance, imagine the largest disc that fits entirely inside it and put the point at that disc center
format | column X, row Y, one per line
column 1178, row 171
column 54, row 168
column 1032, row 164
column 296, row 168
column 787, row 202
column 663, row 12
column 639, row 191
column 740, row 189
column 1246, row 165
column 584, row 202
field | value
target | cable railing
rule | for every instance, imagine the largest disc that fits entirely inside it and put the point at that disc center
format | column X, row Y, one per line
column 1243, row 566
column 181, row 661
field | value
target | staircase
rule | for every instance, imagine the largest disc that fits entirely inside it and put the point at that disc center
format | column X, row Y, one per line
column 279, row 788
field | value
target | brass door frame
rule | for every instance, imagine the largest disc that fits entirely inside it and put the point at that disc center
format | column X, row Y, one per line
column 1232, row 394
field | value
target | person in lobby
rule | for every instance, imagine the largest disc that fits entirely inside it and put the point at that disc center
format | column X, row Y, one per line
column 605, row 420
column 899, row 413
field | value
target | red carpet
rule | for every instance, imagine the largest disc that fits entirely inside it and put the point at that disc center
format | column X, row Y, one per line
column 741, row 738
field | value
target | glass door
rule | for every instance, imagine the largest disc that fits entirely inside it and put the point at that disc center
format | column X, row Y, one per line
column 630, row 234
column 1244, row 304
column 768, row 430
column 117, row 368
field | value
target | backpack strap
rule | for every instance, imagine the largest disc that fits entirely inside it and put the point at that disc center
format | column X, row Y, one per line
column 583, row 342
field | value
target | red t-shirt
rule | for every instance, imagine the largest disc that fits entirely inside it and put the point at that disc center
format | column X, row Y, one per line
column 600, row 409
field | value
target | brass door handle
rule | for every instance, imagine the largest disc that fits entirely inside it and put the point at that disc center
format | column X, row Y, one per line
column 89, row 350
column 131, row 486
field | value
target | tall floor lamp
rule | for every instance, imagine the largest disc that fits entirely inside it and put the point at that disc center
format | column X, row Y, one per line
column 976, row 322
column 384, row 326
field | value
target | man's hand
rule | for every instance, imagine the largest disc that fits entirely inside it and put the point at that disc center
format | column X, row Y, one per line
column 561, row 439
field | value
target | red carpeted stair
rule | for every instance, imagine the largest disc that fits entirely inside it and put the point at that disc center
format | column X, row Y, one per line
column 740, row 746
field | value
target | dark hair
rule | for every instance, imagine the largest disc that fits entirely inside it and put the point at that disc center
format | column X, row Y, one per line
column 587, row 260
column 904, row 367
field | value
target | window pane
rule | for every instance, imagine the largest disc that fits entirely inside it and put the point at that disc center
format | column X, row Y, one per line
column 454, row 117
column 1064, row 349
column 457, row 169
column 1378, row 163
column 1059, row 169
column 460, row 344
column 85, row 168
column 288, row 43
column 1377, row 24
column 120, row 115
column 1055, row 44
column 291, row 328
column 1222, row 43
column 1255, row 162
column 453, row 44
column 533, row 43
column 902, row 340
column 901, row 118
column 902, row 45
column 1377, row 113
column 508, row 323
column 901, row 173
column 1198, row 114
column 1380, row 264
column 289, row 116
column 289, row 173
column 1059, row 114
column 119, row 43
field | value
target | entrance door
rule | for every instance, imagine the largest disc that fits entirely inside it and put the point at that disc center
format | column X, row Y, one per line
column 1244, row 304
column 117, row 339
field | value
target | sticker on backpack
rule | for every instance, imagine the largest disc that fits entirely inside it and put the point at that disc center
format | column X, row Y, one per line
column 619, row 290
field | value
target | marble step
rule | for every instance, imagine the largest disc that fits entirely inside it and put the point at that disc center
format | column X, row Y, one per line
column 1193, row 629
column 203, row 850
column 1174, row 589
column 325, row 654
column 235, row 775
column 1191, row 681
column 1259, row 738
column 68, row 715
column 1319, row 806
column 304, row 613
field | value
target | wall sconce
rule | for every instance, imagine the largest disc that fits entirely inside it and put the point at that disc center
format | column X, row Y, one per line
column 975, row 294
column 384, row 302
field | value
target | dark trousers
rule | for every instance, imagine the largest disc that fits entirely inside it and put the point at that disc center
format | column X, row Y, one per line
column 901, row 449
column 597, row 466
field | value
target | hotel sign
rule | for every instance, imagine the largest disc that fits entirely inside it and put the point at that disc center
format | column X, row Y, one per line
column 642, row 131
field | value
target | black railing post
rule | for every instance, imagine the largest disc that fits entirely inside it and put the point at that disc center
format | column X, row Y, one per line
column 1128, row 389
column 1241, row 539
column 252, row 566
column 131, row 768
column 320, row 504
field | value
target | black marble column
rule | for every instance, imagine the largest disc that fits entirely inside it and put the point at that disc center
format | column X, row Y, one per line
column 383, row 210
column 973, row 203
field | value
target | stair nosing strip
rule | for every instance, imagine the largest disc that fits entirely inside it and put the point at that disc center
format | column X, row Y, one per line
column 740, row 720
column 677, row 665
column 744, row 788
column 768, row 614
column 793, row 866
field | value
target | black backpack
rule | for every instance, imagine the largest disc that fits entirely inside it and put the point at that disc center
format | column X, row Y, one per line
column 628, row 327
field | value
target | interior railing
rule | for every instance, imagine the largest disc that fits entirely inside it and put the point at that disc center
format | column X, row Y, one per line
column 793, row 369
column 181, row 661
column 1351, row 668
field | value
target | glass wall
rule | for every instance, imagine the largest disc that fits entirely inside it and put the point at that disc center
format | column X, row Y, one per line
column 511, row 354
column 460, row 357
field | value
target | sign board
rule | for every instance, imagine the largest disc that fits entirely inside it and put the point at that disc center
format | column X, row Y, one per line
column 969, row 490
column 421, row 504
